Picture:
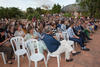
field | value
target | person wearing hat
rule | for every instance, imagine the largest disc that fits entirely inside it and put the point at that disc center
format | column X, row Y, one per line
column 4, row 46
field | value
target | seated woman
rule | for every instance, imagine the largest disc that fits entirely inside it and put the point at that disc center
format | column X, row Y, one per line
column 10, row 31
column 5, row 47
column 33, row 35
column 19, row 31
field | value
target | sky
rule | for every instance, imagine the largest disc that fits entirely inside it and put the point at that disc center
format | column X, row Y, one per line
column 23, row 4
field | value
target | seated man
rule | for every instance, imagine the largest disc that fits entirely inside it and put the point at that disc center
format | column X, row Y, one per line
column 56, row 47
column 4, row 46
column 80, row 32
column 75, row 38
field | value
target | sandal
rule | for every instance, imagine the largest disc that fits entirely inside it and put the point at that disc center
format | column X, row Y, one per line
column 10, row 62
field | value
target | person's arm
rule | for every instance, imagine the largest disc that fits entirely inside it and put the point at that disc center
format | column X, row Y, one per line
column 61, row 36
column 16, row 33
column 4, row 41
column 23, row 34
column 9, row 35
column 76, row 36
column 55, row 37
column 73, row 34
column 78, row 32
column 36, row 37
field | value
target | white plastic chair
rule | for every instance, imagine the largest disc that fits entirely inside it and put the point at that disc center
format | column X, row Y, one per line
column 34, row 53
column 66, row 37
column 58, row 36
column 18, row 47
column 52, row 55
column 3, row 57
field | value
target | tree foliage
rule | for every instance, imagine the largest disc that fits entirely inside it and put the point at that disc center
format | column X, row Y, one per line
column 56, row 8
column 67, row 15
column 10, row 12
column 13, row 12
column 30, row 10
column 92, row 5
column 35, row 14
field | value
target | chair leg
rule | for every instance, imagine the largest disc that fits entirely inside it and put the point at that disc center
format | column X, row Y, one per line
column 45, row 62
column 48, row 57
column 29, row 63
column 28, row 56
column 73, row 46
column 3, row 56
column 58, row 60
column 35, row 64
column 18, row 59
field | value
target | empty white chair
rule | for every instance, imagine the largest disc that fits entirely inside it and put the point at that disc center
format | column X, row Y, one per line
column 52, row 55
column 18, row 47
column 3, row 57
column 34, row 52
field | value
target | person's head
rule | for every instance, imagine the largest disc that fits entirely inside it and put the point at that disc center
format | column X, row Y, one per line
column 71, row 24
column 30, row 30
column 19, row 28
column 54, row 25
column 79, row 22
column 62, row 21
column 11, row 27
column 2, row 32
column 66, row 23
column 40, row 28
column 48, row 29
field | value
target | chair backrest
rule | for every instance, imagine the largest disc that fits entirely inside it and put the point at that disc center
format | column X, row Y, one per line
column 32, row 46
column 58, row 36
column 65, row 35
column 17, row 43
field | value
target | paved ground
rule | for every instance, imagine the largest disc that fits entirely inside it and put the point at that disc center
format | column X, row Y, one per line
column 85, row 59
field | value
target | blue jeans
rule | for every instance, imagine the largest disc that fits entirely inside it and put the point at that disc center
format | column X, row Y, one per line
column 78, row 41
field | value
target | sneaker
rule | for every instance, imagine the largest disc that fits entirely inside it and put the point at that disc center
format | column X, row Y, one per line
column 69, row 60
column 9, row 62
column 76, row 53
column 86, row 49
column 89, row 39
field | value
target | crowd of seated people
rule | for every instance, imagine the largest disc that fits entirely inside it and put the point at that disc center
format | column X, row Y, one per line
column 78, row 30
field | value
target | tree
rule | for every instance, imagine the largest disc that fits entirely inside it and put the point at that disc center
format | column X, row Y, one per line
column 93, row 6
column 39, row 10
column 10, row 12
column 35, row 14
column 15, row 12
column 67, row 15
column 30, row 10
column 56, row 8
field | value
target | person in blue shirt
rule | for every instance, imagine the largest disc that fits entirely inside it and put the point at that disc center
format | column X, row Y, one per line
column 55, row 47
column 75, row 38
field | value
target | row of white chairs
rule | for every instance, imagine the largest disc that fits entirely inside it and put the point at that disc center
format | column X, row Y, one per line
column 28, row 49
column 21, row 47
